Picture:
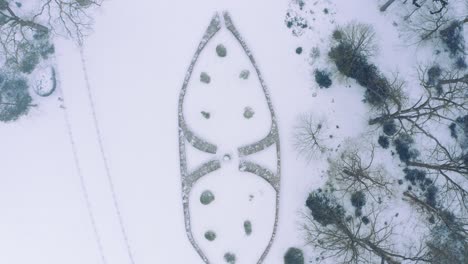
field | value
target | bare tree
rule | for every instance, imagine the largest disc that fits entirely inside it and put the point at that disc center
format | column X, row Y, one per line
column 349, row 240
column 309, row 138
column 444, row 99
column 354, row 170
column 360, row 37
column 20, row 31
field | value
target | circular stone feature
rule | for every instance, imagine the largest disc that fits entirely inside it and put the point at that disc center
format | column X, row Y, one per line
column 299, row 50
column 207, row 197
column 205, row 78
column 205, row 114
column 244, row 74
column 248, row 227
column 221, row 50
column 230, row 258
column 248, row 112
column 210, row 235
column 227, row 157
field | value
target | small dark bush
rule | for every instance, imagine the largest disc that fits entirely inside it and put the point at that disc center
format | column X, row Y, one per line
column 452, row 37
column 324, row 208
column 415, row 176
column 453, row 130
column 403, row 145
column 358, row 212
column 389, row 128
column 323, row 78
column 358, row 199
column 384, row 142
column 433, row 74
column 460, row 63
column 299, row 50
column 365, row 220
column 294, row 256
column 230, row 258
column 431, row 196
column 337, row 35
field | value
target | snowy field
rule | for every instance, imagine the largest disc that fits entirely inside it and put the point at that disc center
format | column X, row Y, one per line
column 127, row 80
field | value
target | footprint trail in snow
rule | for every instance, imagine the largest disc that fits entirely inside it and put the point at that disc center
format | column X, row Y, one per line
column 229, row 151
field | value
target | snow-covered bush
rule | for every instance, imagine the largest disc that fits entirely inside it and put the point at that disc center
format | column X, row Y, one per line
column 294, row 256
column 322, row 78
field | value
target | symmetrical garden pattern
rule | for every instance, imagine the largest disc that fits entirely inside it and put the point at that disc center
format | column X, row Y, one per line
column 229, row 151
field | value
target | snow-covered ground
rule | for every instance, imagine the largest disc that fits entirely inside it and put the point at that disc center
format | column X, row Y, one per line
column 134, row 65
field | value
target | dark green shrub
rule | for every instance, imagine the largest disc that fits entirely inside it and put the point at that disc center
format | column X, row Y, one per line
column 324, row 208
column 358, row 199
column 403, row 145
column 384, row 142
column 323, row 78
column 294, row 256
column 389, row 128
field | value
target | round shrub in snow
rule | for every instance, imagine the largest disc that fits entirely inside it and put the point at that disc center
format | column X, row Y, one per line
column 323, row 78
column 403, row 145
column 206, row 115
column 384, row 142
column 389, row 128
column 324, row 208
column 221, row 50
column 14, row 98
column 248, row 227
column 431, row 196
column 205, row 78
column 230, row 258
column 358, row 199
column 210, row 235
column 299, row 50
column 207, row 197
column 294, row 256
column 244, row 74
column 248, row 112
column 365, row 220
column 433, row 74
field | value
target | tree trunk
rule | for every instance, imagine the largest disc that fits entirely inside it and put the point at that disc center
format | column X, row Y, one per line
column 386, row 5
